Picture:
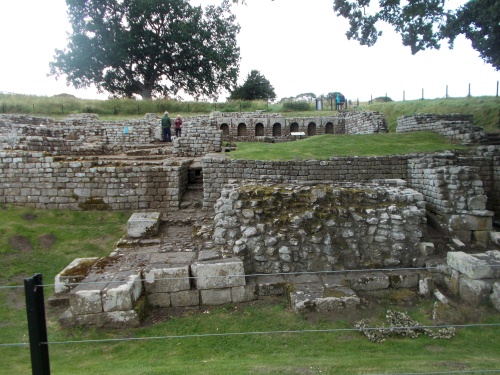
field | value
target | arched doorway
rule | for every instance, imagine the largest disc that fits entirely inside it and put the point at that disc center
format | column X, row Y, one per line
column 225, row 129
column 277, row 130
column 242, row 130
column 259, row 130
column 311, row 128
column 294, row 127
column 329, row 128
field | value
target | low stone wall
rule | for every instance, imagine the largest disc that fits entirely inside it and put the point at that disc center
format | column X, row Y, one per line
column 219, row 169
column 32, row 179
column 456, row 127
column 277, row 228
column 198, row 140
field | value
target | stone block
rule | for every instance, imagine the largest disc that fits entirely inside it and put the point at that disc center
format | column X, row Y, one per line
column 159, row 299
column 244, row 293
column 270, row 285
column 402, row 279
column 217, row 274
column 86, row 298
column 185, row 298
column 475, row 222
column 475, row 292
column 215, row 296
column 176, row 258
column 309, row 298
column 335, row 279
column 115, row 319
column 122, row 292
column 476, row 266
column 425, row 287
column 481, row 237
column 208, row 255
column 74, row 272
column 426, row 248
column 495, row 296
column 368, row 280
column 143, row 224
column 495, row 237
column 166, row 278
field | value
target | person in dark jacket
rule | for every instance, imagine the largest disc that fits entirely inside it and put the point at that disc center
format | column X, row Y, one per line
column 165, row 128
column 178, row 124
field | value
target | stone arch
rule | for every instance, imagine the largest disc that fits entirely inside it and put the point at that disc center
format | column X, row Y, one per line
column 242, row 129
column 277, row 129
column 294, row 127
column 225, row 129
column 259, row 129
column 311, row 128
column 329, row 128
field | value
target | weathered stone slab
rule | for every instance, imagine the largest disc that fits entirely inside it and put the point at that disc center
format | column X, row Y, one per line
column 335, row 279
column 74, row 272
column 216, row 274
column 185, row 298
column 368, row 280
column 115, row 319
column 244, row 293
column 303, row 278
column 165, row 278
column 159, row 299
column 309, row 298
column 208, row 255
column 86, row 298
column 173, row 258
column 143, row 224
column 215, row 296
column 476, row 292
column 495, row 296
column 402, row 279
column 476, row 266
column 122, row 292
column 270, row 285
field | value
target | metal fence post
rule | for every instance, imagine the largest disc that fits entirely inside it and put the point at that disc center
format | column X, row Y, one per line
column 37, row 327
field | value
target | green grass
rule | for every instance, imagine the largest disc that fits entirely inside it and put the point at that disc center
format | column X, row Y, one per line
column 485, row 109
column 323, row 147
column 82, row 234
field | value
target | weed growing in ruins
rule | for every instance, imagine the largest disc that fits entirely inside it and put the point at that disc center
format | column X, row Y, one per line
column 401, row 324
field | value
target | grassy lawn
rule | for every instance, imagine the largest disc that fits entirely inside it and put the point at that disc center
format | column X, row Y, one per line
column 325, row 146
column 80, row 234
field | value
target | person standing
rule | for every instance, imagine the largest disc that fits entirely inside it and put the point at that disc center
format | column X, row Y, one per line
column 178, row 125
column 165, row 128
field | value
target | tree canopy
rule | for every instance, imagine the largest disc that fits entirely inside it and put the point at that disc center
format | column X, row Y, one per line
column 255, row 87
column 150, row 48
column 423, row 24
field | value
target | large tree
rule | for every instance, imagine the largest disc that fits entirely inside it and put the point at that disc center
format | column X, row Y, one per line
column 424, row 23
column 150, row 48
column 255, row 87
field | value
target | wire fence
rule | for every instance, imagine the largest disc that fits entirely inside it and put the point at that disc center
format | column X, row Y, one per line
column 48, row 343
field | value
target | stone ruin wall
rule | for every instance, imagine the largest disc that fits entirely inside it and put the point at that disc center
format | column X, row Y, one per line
column 36, row 180
column 456, row 127
column 281, row 228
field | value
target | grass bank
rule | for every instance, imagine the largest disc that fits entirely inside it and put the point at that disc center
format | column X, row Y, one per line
column 323, row 147
column 172, row 348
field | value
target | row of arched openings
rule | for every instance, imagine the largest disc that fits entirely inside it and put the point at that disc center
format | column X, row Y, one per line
column 242, row 130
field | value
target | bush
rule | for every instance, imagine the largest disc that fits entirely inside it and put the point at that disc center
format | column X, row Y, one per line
column 300, row 105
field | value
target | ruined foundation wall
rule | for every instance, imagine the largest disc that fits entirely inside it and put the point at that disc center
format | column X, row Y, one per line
column 456, row 127
column 218, row 170
column 197, row 140
column 32, row 179
column 277, row 228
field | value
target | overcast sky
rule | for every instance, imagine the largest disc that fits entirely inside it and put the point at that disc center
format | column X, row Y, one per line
column 298, row 45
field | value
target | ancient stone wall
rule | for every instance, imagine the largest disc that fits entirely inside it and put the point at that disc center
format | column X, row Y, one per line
column 197, row 140
column 456, row 127
column 218, row 170
column 277, row 228
column 32, row 179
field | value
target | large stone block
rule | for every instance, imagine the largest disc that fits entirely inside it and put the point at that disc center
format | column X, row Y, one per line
column 115, row 319
column 122, row 292
column 403, row 279
column 166, row 278
column 215, row 296
column 244, row 293
column 185, row 298
column 475, row 292
column 369, row 280
column 495, row 296
column 309, row 298
column 143, row 224
column 270, row 285
column 86, row 298
column 74, row 272
column 476, row 266
column 217, row 274
column 159, row 299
